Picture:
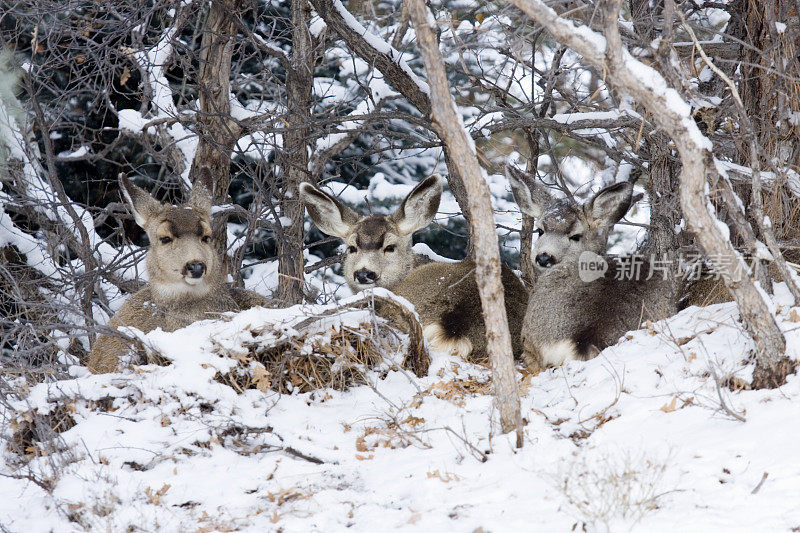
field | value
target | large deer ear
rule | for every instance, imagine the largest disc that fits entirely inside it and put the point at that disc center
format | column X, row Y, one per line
column 608, row 206
column 329, row 214
column 200, row 197
column 420, row 206
column 531, row 196
column 143, row 206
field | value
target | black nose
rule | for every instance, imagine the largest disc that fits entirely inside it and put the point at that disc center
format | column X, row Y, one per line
column 365, row 276
column 545, row 260
column 196, row 270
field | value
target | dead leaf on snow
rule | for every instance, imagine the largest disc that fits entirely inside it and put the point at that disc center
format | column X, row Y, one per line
column 668, row 408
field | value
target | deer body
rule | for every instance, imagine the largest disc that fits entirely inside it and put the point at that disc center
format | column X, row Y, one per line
column 186, row 279
column 568, row 318
column 379, row 254
column 445, row 295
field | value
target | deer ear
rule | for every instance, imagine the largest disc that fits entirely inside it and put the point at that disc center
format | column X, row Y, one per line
column 608, row 206
column 420, row 206
column 143, row 206
column 531, row 196
column 330, row 215
column 200, row 197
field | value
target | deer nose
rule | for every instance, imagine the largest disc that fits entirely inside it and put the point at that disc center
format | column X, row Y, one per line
column 365, row 276
column 196, row 269
column 545, row 260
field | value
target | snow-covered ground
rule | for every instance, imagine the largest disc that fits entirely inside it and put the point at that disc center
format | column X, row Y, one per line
column 635, row 439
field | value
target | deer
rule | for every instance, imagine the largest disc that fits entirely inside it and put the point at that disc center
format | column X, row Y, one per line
column 186, row 280
column 445, row 295
column 568, row 318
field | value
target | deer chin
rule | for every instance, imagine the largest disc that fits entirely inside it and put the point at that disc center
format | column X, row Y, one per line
column 182, row 288
column 194, row 282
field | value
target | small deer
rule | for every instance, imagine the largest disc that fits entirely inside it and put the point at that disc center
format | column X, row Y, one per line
column 379, row 254
column 568, row 318
column 185, row 271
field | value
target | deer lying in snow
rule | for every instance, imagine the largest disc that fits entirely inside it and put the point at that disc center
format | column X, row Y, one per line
column 379, row 254
column 186, row 277
column 568, row 318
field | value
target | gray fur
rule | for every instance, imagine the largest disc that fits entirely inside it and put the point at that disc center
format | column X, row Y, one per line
column 446, row 294
column 566, row 317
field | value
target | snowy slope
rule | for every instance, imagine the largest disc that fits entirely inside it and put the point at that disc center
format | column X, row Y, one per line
column 633, row 440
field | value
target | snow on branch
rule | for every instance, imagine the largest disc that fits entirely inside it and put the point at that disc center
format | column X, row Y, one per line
column 375, row 51
column 162, row 117
column 379, row 45
column 45, row 201
column 740, row 173
column 673, row 114
column 351, row 124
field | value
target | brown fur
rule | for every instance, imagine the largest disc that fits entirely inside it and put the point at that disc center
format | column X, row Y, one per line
column 179, row 238
column 379, row 250
column 445, row 295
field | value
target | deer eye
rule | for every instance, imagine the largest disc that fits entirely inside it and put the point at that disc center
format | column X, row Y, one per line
column 576, row 237
column 165, row 240
column 390, row 248
column 539, row 231
column 351, row 249
column 206, row 239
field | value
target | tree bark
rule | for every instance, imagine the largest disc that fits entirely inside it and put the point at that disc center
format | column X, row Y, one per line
column 294, row 155
column 450, row 129
column 769, row 93
column 650, row 90
column 217, row 131
column 651, row 20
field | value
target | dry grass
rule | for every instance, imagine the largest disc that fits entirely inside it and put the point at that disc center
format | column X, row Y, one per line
column 338, row 357
column 32, row 432
column 610, row 488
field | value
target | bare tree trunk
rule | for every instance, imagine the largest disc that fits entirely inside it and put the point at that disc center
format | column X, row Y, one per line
column 769, row 93
column 216, row 129
column 294, row 155
column 651, row 91
column 451, row 130
column 664, row 168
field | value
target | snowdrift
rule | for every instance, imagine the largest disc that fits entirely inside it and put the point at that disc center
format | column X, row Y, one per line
column 658, row 433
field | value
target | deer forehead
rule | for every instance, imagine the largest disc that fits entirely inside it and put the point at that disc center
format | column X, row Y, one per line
column 562, row 216
column 373, row 233
column 182, row 221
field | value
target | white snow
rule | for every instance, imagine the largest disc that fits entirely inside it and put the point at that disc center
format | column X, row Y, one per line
column 767, row 177
column 78, row 153
column 153, row 61
column 634, row 439
column 380, row 45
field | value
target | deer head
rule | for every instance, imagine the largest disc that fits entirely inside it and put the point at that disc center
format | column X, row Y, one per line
column 379, row 250
column 181, row 261
column 566, row 229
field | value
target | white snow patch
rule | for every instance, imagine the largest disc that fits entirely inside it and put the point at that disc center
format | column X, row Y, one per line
column 177, row 450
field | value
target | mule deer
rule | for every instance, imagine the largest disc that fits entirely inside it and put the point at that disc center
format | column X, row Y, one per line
column 568, row 318
column 186, row 275
column 379, row 254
